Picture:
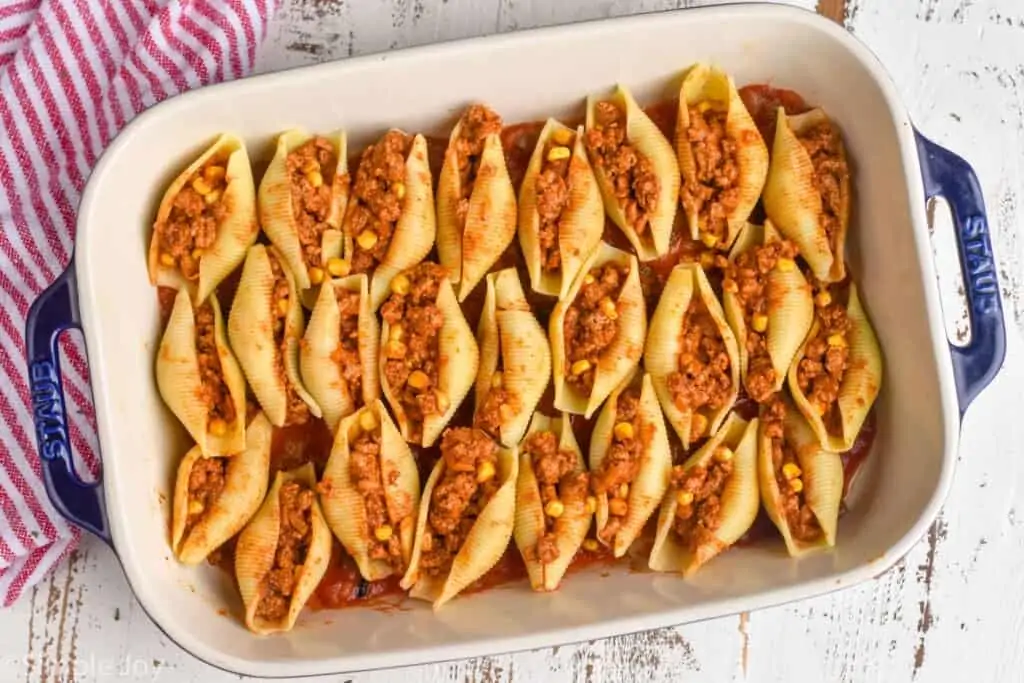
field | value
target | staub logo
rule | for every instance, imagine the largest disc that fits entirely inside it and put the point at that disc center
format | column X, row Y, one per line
column 48, row 406
column 981, row 270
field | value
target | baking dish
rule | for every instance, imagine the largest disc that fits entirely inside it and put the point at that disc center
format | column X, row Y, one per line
column 526, row 76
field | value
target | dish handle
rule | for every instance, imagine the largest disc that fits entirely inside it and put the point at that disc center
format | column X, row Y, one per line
column 948, row 176
column 56, row 310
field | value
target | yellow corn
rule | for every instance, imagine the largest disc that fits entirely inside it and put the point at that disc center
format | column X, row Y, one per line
column 797, row 485
column 591, row 505
column 212, row 198
column 418, row 379
column 822, row 409
column 618, row 507
column 368, row 421
column 684, row 498
column 338, row 267
column 590, row 545
column 704, row 106
column 486, row 471
column 201, row 186
column 496, row 380
column 396, row 332
column 310, row 165
column 709, row 240
column 729, row 285
column 383, row 533
column 562, row 136
column 195, row 507
column 282, row 306
column 197, row 254
column 759, row 321
column 707, row 260
column 786, row 265
column 367, row 239
column 609, row 309
column 442, row 402
column 214, row 174
column 836, row 340
column 559, row 153
column 399, row 190
column 723, row 454
column 315, row 178
column 623, row 491
column 166, row 259
column 823, row 299
column 698, row 425
column 218, row 427
column 554, row 509
column 588, row 279
column 316, row 275
column 579, row 367
column 791, row 470
column 400, row 284
column 623, row 431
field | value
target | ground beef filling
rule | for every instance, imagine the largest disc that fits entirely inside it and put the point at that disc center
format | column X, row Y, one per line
column 824, row 146
column 347, row 353
column 469, row 481
column 747, row 277
column 698, row 492
column 412, row 350
column 376, row 202
column 214, row 389
column 366, row 476
column 621, row 463
column 714, row 191
column 205, row 484
column 477, row 123
column 823, row 366
column 552, row 187
column 499, row 406
column 803, row 525
column 591, row 323
column 311, row 166
column 629, row 172
column 703, row 379
column 293, row 541
column 191, row 226
column 297, row 412
column 560, row 485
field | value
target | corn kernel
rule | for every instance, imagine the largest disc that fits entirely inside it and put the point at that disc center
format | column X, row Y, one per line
column 729, row 285
column 609, row 309
column 588, row 279
column 310, row 166
column 396, row 332
column 707, row 260
column 559, row 153
column 496, row 380
column 623, row 491
column 723, row 454
column 591, row 505
column 562, row 136
column 201, row 186
column 486, row 471
column 791, row 470
column 704, row 106
column 590, row 545
column 218, row 427
column 785, row 265
column 212, row 198
column 214, row 174
column 823, row 299
column 197, row 253
column 698, row 425
column 400, row 284
column 623, row 431
column 395, row 350
column 418, row 379
column 684, row 498
column 579, row 367
column 195, row 507
column 443, row 404
column 383, row 533
column 368, row 421
column 315, row 178
column 338, row 267
column 399, row 190
column 316, row 275
column 282, row 306
column 554, row 508
column 797, row 485
column 836, row 340
column 618, row 507
column 759, row 321
column 167, row 259
column 367, row 239
column 709, row 240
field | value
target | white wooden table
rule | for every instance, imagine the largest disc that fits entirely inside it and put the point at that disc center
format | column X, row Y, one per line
column 951, row 610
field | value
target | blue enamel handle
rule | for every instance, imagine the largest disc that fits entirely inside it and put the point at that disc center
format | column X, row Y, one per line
column 79, row 502
column 947, row 175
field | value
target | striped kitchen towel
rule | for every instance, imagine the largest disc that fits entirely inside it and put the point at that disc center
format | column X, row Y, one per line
column 72, row 74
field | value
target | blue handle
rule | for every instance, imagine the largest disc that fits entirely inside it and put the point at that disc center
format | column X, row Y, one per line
column 947, row 175
column 56, row 310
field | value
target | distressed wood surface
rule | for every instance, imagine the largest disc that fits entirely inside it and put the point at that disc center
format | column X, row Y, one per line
column 951, row 610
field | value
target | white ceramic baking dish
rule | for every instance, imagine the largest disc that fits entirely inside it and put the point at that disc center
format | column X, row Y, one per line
column 525, row 76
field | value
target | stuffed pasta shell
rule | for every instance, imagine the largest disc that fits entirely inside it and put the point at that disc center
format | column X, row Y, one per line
column 629, row 462
column 476, row 203
column 302, row 199
column 370, row 492
column 466, row 516
column 389, row 224
column 429, row 358
column 282, row 554
column 215, row 497
column 807, row 194
column 553, row 505
column 712, row 501
column 515, row 360
column 636, row 170
column 769, row 306
column 339, row 353
column 265, row 326
column 198, row 376
column 561, row 215
column 722, row 158
column 597, row 330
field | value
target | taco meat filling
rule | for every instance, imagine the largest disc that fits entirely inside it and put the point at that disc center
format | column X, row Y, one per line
column 469, row 481
column 384, row 542
column 630, row 173
column 825, row 361
column 698, row 491
column 376, row 202
column 621, row 464
column 191, row 226
column 311, row 168
column 477, row 124
column 413, row 346
column 214, row 390
column 560, row 486
column 747, row 278
column 703, row 379
column 831, row 173
column 347, row 353
column 552, row 188
column 293, row 540
column 713, row 193
column 499, row 406
column 205, row 484
column 803, row 525
column 591, row 324
column 297, row 412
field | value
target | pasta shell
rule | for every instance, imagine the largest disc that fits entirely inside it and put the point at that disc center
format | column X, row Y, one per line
column 820, row 472
column 484, row 545
column 648, row 486
column 394, row 475
column 236, row 229
column 621, row 356
column 414, row 231
column 515, row 360
column 651, row 144
column 738, row 501
column 571, row 525
column 179, row 379
column 268, row 346
column 198, row 527
column 257, row 547
column 579, row 225
column 859, row 387
column 794, row 201
column 323, row 354
column 279, row 202
column 686, row 284
column 789, row 308
column 468, row 245
column 710, row 87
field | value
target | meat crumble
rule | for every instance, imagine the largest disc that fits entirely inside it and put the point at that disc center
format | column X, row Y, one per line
column 346, row 355
column 825, row 361
column 559, row 484
column 376, row 202
column 412, row 349
column 214, row 392
column 590, row 323
column 702, row 379
column 713, row 193
column 499, row 406
column 205, row 484
column 803, row 525
column 552, row 187
column 630, row 173
column 478, row 123
column 293, row 540
column 383, row 541
column 698, row 491
column 191, row 226
column 310, row 168
column 831, row 172
column 621, row 464
column 469, row 481
column 297, row 412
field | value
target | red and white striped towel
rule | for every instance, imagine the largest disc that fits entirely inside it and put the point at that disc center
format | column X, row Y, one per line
column 72, row 74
